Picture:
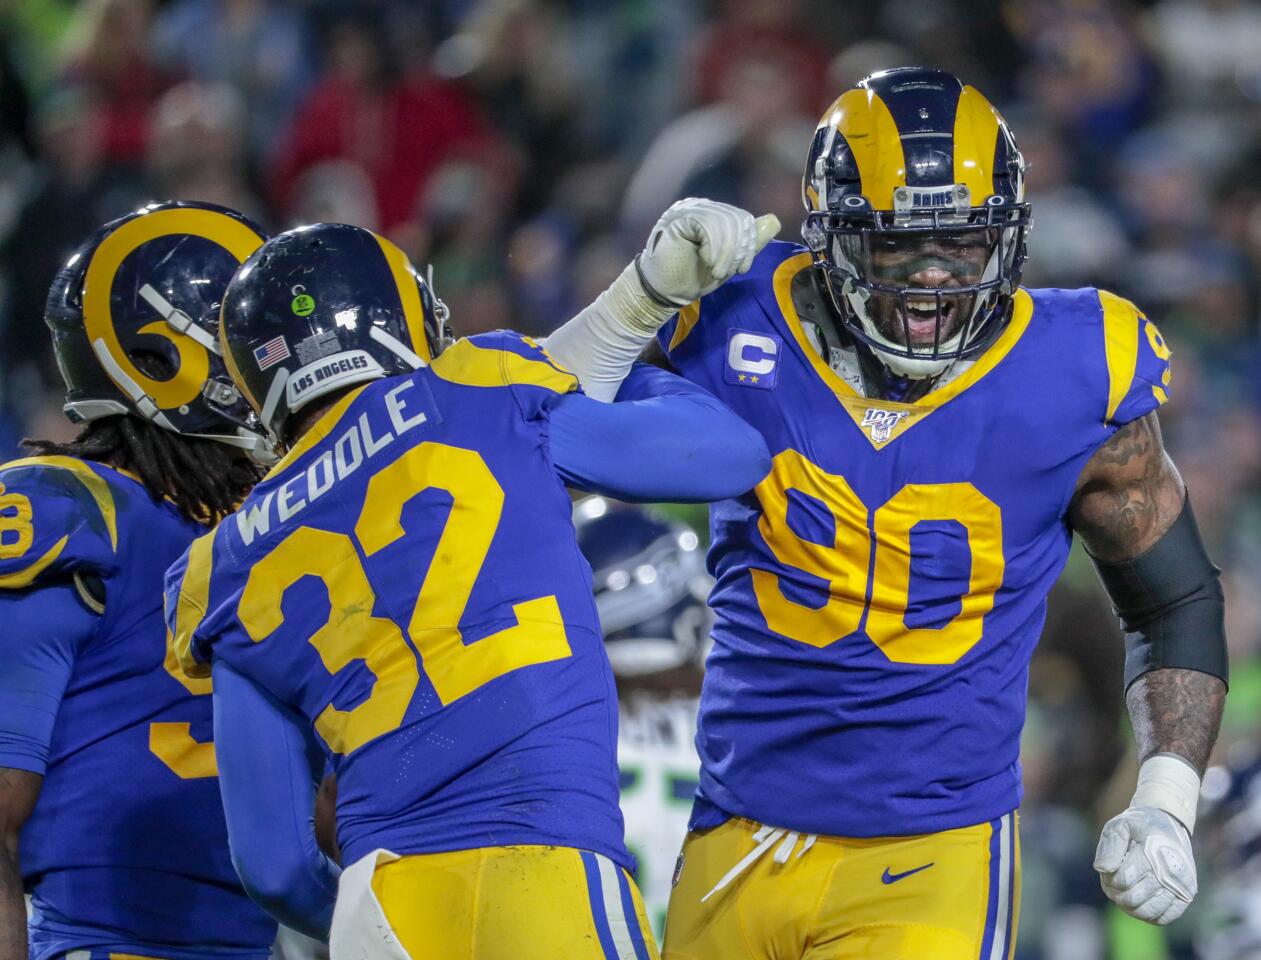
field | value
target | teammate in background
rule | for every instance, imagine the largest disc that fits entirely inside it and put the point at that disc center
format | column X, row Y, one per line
column 938, row 434
column 403, row 594
column 109, row 802
column 650, row 585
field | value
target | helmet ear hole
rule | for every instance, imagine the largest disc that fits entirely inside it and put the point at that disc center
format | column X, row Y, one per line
column 152, row 363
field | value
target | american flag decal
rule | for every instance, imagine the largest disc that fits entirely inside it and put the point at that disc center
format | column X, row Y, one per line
column 271, row 353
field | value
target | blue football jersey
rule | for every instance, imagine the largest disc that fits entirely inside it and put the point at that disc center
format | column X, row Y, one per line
column 408, row 579
column 126, row 851
column 880, row 593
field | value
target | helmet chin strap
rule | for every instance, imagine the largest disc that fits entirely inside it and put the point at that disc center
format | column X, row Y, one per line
column 145, row 405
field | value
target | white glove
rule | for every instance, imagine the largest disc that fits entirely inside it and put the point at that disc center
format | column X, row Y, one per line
column 1144, row 856
column 698, row 244
column 695, row 246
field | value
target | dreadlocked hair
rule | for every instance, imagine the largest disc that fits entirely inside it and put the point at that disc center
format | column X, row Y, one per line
column 205, row 479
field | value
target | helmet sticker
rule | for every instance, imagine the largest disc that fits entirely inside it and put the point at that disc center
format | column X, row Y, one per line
column 329, row 373
column 318, row 345
column 271, row 353
column 193, row 358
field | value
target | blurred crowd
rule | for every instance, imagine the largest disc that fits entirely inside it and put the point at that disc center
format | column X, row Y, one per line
column 524, row 147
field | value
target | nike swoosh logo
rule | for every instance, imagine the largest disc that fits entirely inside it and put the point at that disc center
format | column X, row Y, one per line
column 895, row 877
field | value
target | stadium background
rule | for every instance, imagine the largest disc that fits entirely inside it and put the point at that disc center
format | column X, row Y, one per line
column 524, row 147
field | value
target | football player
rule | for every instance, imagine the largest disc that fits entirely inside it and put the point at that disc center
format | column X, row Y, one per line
column 650, row 585
column 938, row 435
column 403, row 595
column 109, row 804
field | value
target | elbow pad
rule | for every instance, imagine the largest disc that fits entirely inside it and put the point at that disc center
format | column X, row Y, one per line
column 1170, row 603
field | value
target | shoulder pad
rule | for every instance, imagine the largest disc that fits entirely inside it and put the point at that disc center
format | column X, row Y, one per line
column 501, row 359
column 57, row 517
column 187, row 596
column 1137, row 356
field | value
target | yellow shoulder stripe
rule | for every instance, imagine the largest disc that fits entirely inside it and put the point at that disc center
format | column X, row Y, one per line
column 90, row 478
column 194, row 598
column 469, row 365
column 689, row 316
column 1120, row 341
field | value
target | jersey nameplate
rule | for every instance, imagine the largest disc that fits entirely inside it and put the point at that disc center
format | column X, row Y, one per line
column 407, row 407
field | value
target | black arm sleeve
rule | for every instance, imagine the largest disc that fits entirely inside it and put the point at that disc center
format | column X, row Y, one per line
column 1170, row 603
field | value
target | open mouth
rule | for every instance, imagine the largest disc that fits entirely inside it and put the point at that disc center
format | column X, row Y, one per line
column 921, row 321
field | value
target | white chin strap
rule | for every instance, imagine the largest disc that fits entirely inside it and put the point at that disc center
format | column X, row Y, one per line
column 259, row 448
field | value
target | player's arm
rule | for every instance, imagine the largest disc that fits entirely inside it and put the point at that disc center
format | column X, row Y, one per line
column 18, row 791
column 1132, row 511
column 269, row 769
column 663, row 440
column 42, row 629
column 695, row 247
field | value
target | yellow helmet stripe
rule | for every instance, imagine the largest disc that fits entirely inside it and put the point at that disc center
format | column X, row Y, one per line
column 233, row 235
column 229, row 361
column 862, row 118
column 409, row 296
column 975, row 143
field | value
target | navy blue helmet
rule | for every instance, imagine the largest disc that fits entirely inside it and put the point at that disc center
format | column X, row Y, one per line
column 913, row 175
column 133, row 316
column 650, row 585
column 322, row 307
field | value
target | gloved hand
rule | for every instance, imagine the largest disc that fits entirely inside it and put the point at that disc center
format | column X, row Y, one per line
column 1144, row 856
column 698, row 244
column 695, row 246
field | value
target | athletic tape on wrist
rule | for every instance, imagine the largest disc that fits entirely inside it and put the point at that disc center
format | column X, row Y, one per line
column 1169, row 783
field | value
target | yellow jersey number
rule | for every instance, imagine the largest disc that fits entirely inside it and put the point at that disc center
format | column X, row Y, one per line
column 353, row 633
column 874, row 546
column 16, row 532
column 170, row 741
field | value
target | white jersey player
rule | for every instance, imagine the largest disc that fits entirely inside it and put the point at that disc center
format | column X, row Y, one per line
column 650, row 584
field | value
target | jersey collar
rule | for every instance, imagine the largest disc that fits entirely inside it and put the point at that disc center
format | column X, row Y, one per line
column 882, row 421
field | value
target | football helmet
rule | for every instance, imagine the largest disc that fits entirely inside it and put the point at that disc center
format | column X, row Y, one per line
column 914, row 192
column 650, row 585
column 322, row 307
column 133, row 316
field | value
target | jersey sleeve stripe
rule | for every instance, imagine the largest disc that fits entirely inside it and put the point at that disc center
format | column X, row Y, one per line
column 1120, row 336
column 689, row 316
column 194, row 598
column 26, row 576
column 92, row 480
column 469, row 365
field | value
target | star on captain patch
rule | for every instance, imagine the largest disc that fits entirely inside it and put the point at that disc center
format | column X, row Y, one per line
column 881, row 423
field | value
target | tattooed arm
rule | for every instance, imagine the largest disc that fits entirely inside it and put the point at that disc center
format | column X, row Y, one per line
column 1127, row 498
column 18, row 790
column 1130, row 509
